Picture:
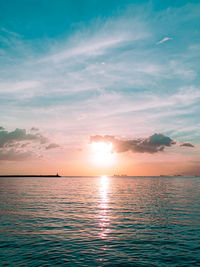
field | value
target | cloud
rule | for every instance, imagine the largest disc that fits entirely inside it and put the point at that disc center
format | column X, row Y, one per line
column 152, row 144
column 10, row 32
column 18, row 135
column 25, row 144
column 22, row 145
column 97, row 39
column 165, row 39
column 52, row 146
column 187, row 144
column 14, row 155
column 34, row 129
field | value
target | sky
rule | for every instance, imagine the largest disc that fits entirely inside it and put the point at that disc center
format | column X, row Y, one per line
column 100, row 87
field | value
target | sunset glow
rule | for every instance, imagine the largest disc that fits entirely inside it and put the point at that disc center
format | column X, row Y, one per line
column 102, row 153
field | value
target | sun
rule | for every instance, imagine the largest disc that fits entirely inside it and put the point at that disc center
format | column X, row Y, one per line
column 102, row 153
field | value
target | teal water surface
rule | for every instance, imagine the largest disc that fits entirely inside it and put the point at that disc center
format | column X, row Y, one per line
column 100, row 221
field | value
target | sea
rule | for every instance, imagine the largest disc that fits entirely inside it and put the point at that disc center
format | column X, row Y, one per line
column 100, row 221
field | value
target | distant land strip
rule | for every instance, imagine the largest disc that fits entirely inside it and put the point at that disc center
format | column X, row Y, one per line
column 30, row 175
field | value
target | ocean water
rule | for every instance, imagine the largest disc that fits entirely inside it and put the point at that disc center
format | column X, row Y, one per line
column 100, row 221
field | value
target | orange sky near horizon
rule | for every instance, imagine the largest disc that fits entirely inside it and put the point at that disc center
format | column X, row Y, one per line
column 99, row 159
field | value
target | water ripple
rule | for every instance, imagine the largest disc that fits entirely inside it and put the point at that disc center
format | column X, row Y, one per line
column 100, row 221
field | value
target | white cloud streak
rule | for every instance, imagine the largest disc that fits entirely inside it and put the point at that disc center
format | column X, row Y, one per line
column 165, row 39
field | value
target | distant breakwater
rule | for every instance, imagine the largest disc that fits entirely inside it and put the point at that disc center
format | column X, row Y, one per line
column 29, row 175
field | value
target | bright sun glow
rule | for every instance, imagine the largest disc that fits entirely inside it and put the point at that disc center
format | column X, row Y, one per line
column 102, row 153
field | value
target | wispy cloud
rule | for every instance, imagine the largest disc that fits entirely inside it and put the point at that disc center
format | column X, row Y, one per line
column 165, row 39
column 10, row 32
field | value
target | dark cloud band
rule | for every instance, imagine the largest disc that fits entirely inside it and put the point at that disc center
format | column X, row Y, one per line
column 151, row 144
column 187, row 144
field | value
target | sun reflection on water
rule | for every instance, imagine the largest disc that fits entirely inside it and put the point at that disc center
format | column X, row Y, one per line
column 104, row 220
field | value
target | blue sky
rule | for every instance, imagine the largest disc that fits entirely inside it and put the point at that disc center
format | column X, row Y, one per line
column 79, row 68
